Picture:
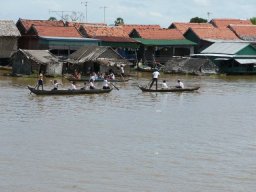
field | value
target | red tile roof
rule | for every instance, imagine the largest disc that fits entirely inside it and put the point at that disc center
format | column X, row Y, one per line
column 115, row 39
column 28, row 23
column 245, row 32
column 128, row 28
column 54, row 31
column 94, row 31
column 77, row 24
column 225, row 22
column 215, row 33
column 183, row 27
column 159, row 34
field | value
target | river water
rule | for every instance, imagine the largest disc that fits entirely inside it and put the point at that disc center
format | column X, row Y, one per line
column 128, row 140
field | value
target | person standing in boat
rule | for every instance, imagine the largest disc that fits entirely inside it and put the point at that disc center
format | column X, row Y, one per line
column 179, row 85
column 155, row 76
column 40, row 82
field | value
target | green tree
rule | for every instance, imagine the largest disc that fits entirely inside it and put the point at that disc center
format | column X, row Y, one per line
column 119, row 21
column 198, row 20
column 52, row 19
column 253, row 20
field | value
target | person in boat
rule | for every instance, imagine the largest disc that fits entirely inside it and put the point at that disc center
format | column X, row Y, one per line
column 155, row 76
column 55, row 85
column 76, row 74
column 179, row 85
column 73, row 86
column 40, row 82
column 122, row 70
column 112, row 76
column 93, row 76
column 100, row 75
column 164, row 85
column 84, row 87
column 92, row 86
column 106, row 83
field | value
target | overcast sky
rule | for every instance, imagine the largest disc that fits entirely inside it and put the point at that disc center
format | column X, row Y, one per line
column 162, row 12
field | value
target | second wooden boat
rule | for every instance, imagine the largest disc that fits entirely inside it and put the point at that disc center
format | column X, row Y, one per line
column 144, row 89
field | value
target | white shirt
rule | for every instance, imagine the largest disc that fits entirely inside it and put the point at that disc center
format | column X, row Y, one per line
column 156, row 74
column 122, row 69
column 93, row 78
column 55, row 85
column 105, row 83
column 73, row 87
column 112, row 76
column 91, row 84
column 164, row 86
column 181, row 84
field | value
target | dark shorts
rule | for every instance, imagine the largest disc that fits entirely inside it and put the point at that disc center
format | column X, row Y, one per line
column 40, row 82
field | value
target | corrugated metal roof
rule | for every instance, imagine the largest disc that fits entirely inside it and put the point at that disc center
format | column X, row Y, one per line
column 246, row 61
column 225, row 48
column 158, row 42
column 68, row 38
column 8, row 29
column 40, row 56
column 95, row 53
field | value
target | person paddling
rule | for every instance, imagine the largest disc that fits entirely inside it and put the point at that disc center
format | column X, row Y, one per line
column 155, row 75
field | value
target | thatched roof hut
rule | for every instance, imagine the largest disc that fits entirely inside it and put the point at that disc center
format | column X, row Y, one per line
column 36, row 61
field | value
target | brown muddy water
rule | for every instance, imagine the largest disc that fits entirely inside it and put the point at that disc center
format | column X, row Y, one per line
column 128, row 140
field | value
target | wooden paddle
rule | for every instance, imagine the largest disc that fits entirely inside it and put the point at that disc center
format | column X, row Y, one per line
column 114, row 86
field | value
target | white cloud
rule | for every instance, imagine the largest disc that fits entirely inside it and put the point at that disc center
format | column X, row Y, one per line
column 155, row 14
column 202, row 2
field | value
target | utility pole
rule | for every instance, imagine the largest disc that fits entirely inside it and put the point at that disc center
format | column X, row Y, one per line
column 60, row 13
column 104, row 9
column 85, row 4
column 208, row 14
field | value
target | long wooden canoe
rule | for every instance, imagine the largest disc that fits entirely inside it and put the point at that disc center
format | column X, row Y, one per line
column 98, row 80
column 144, row 89
column 68, row 92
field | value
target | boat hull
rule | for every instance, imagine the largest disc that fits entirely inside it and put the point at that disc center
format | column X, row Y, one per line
column 169, row 90
column 68, row 92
